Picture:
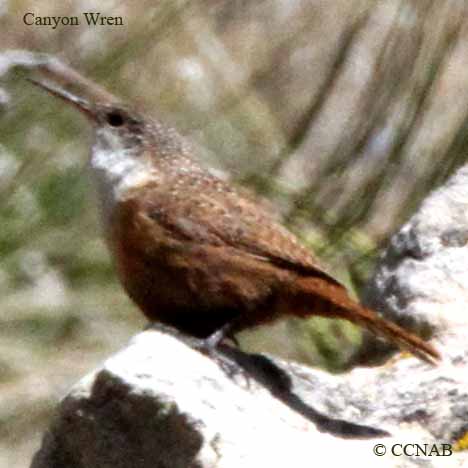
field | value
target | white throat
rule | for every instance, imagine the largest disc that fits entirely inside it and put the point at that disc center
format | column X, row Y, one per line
column 116, row 170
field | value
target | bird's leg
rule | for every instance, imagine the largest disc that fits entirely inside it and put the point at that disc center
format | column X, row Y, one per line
column 211, row 347
column 213, row 340
column 208, row 344
column 226, row 331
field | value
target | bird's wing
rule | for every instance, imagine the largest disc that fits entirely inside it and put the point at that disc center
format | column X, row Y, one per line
column 205, row 216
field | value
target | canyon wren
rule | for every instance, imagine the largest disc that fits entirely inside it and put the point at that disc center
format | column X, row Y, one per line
column 191, row 251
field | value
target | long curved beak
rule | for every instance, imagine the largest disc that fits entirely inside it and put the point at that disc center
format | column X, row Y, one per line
column 76, row 101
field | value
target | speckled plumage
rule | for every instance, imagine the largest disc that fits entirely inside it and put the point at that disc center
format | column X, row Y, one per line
column 193, row 252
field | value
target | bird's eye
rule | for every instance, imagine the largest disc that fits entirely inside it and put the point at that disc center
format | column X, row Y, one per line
column 115, row 119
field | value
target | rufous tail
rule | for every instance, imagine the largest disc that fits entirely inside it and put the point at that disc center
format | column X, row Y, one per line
column 316, row 296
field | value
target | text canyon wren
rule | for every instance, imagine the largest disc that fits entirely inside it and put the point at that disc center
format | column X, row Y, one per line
column 190, row 250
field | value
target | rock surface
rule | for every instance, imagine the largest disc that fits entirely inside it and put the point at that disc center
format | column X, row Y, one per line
column 422, row 278
column 160, row 403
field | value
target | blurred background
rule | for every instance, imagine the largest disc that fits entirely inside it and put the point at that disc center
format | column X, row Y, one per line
column 341, row 114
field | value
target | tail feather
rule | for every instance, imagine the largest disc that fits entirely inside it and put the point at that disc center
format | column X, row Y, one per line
column 395, row 334
column 318, row 297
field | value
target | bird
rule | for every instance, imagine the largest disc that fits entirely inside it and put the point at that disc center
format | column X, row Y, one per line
column 191, row 250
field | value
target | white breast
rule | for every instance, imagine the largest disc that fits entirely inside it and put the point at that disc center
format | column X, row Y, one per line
column 115, row 172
